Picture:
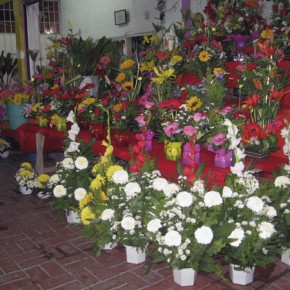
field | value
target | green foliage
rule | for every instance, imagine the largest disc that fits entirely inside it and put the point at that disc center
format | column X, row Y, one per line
column 8, row 69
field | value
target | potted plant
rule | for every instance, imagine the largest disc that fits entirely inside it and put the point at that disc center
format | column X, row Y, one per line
column 26, row 178
column 4, row 148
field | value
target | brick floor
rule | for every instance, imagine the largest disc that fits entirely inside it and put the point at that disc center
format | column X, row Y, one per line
column 40, row 251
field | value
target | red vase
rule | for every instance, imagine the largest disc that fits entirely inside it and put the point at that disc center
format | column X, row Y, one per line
column 121, row 139
column 97, row 130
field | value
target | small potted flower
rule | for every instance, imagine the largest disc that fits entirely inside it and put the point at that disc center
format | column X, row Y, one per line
column 26, row 178
column 42, row 186
column 4, row 148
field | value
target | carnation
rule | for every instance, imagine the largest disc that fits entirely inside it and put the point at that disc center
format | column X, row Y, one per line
column 184, row 199
column 59, row 191
column 154, row 225
column 204, row 235
column 255, row 204
column 132, row 189
column 266, row 230
column 212, row 198
column 172, row 239
column 128, row 223
column 282, row 181
column 159, row 183
column 68, row 163
column 81, row 163
column 107, row 214
column 120, row 177
column 170, row 189
column 80, row 193
column 237, row 234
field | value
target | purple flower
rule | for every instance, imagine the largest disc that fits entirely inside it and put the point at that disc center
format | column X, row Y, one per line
column 189, row 130
column 171, row 129
column 218, row 139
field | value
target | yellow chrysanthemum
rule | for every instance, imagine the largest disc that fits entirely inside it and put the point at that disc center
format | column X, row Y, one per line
column 127, row 86
column 103, row 196
column 43, row 178
column 97, row 182
column 35, row 107
column 117, row 108
column 120, row 77
column 87, row 215
column 126, row 64
column 26, row 165
column 26, row 173
column 89, row 101
column 204, row 56
column 193, row 104
column 96, row 168
column 111, row 170
column 147, row 66
column 88, row 198
column 219, row 70
column 176, row 58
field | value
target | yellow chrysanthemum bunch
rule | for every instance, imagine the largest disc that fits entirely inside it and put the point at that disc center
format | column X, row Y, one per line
column 18, row 99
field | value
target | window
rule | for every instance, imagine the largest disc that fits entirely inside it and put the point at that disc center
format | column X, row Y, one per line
column 49, row 16
column 7, row 20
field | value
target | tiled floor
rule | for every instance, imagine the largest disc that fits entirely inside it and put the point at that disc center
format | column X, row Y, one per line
column 39, row 251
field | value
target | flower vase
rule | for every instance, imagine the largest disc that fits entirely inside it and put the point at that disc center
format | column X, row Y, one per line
column 241, row 277
column 72, row 217
column 135, row 255
column 25, row 190
column 223, row 158
column 5, row 154
column 42, row 122
column 285, row 257
column 110, row 246
column 15, row 116
column 121, row 139
column 172, row 150
column 97, row 130
column 184, row 277
column 191, row 155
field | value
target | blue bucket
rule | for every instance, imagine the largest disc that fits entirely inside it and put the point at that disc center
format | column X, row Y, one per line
column 15, row 116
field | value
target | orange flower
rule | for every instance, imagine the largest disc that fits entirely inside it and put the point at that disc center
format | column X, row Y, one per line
column 257, row 84
column 268, row 34
column 266, row 48
column 276, row 95
column 251, row 101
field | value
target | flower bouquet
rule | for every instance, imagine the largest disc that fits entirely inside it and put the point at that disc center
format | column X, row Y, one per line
column 26, row 178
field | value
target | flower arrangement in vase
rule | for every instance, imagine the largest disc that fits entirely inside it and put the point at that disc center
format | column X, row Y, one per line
column 4, row 148
column 26, row 178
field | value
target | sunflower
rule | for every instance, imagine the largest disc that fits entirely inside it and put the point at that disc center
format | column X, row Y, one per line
column 127, row 86
column 126, row 64
column 193, row 104
column 120, row 77
column 204, row 56
column 218, row 71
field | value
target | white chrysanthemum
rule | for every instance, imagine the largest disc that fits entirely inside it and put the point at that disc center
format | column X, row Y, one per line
column 237, row 234
column 128, row 223
column 132, row 189
column 59, row 191
column 204, row 235
column 282, row 181
column 107, row 214
column 238, row 168
column 80, row 193
column 184, row 199
column 159, row 183
column 71, row 117
column 170, row 189
column 81, row 163
column 227, row 192
column 120, row 176
column 154, row 225
column 172, row 239
column 255, row 204
column 266, row 230
column 212, row 198
column 270, row 211
column 198, row 186
column 73, row 147
column 54, row 178
column 68, row 163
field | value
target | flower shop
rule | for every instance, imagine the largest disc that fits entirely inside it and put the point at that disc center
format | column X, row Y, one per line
column 180, row 152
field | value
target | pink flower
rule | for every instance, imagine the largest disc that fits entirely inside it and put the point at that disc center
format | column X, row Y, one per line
column 198, row 116
column 105, row 60
column 274, row 126
column 218, row 139
column 189, row 130
column 171, row 129
column 225, row 110
column 140, row 120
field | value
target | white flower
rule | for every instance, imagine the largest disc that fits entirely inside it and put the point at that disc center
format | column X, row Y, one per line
column 54, row 178
column 212, row 198
column 154, row 225
column 255, row 204
column 71, row 117
column 73, row 132
column 170, row 189
column 184, row 199
column 59, row 191
column 80, row 193
column 73, row 147
column 132, row 189
column 266, row 230
column 107, row 214
column 159, row 183
column 282, row 181
column 204, row 235
column 120, row 176
column 286, row 149
column 239, row 154
column 237, row 234
column 270, row 211
column 227, row 192
column 68, row 163
column 81, row 163
column 128, row 223
column 238, row 168
column 172, row 239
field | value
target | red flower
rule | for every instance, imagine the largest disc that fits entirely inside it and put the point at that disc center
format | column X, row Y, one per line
column 97, row 112
column 201, row 38
column 161, row 55
column 64, row 96
column 253, row 131
column 189, row 43
column 277, row 95
column 251, row 101
column 134, row 168
column 266, row 48
column 274, row 126
column 171, row 104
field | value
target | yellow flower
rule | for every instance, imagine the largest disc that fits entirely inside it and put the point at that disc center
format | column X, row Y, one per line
column 268, row 34
column 117, row 108
column 126, row 64
column 35, row 107
column 111, row 170
column 203, row 56
column 88, row 198
column 109, row 151
column 162, row 75
column 103, row 196
column 87, row 215
column 120, row 77
column 97, row 182
column 26, row 173
column 176, row 58
column 193, row 104
column 26, row 165
column 219, row 70
column 43, row 178
column 89, row 101
column 147, row 66
column 127, row 86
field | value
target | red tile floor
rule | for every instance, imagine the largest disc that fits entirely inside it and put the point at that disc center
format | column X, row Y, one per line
column 39, row 251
